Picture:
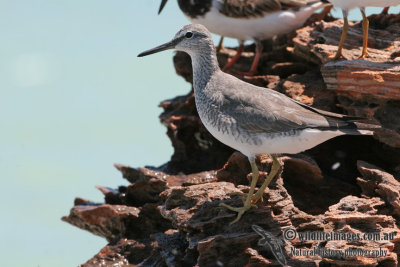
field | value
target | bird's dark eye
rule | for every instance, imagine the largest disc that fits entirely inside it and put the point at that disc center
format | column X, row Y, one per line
column 189, row 35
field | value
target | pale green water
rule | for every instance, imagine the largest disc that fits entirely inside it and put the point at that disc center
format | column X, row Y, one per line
column 75, row 99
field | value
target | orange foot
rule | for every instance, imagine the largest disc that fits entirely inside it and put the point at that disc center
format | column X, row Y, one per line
column 364, row 55
column 339, row 57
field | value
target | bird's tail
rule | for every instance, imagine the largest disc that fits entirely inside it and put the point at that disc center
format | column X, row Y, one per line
column 361, row 128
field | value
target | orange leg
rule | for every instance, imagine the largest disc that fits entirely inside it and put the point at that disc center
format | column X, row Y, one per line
column 256, row 60
column 259, row 49
column 324, row 12
column 220, row 44
column 239, row 52
column 365, row 25
column 343, row 37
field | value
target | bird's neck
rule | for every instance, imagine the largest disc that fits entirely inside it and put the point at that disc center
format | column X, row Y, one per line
column 205, row 65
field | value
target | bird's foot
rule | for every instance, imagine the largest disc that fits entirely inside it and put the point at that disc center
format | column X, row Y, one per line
column 339, row 56
column 258, row 196
column 241, row 195
column 364, row 55
column 239, row 210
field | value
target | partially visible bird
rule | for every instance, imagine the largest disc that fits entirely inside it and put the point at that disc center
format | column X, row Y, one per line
column 346, row 5
column 255, row 20
column 251, row 119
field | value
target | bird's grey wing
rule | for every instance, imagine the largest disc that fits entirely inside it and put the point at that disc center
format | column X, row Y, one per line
column 256, row 8
column 259, row 110
column 329, row 114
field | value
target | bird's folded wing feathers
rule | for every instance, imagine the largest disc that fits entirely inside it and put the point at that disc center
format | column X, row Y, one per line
column 271, row 112
column 257, row 8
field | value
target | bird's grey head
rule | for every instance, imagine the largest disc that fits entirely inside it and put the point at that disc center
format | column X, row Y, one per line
column 192, row 39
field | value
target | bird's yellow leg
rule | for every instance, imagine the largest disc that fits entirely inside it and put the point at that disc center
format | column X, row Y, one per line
column 343, row 37
column 220, row 44
column 274, row 170
column 247, row 203
column 365, row 25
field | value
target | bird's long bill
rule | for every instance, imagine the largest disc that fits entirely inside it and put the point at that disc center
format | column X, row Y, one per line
column 166, row 46
column 163, row 2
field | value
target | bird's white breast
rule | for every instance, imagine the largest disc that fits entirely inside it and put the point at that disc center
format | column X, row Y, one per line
column 290, row 143
column 350, row 4
column 261, row 28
